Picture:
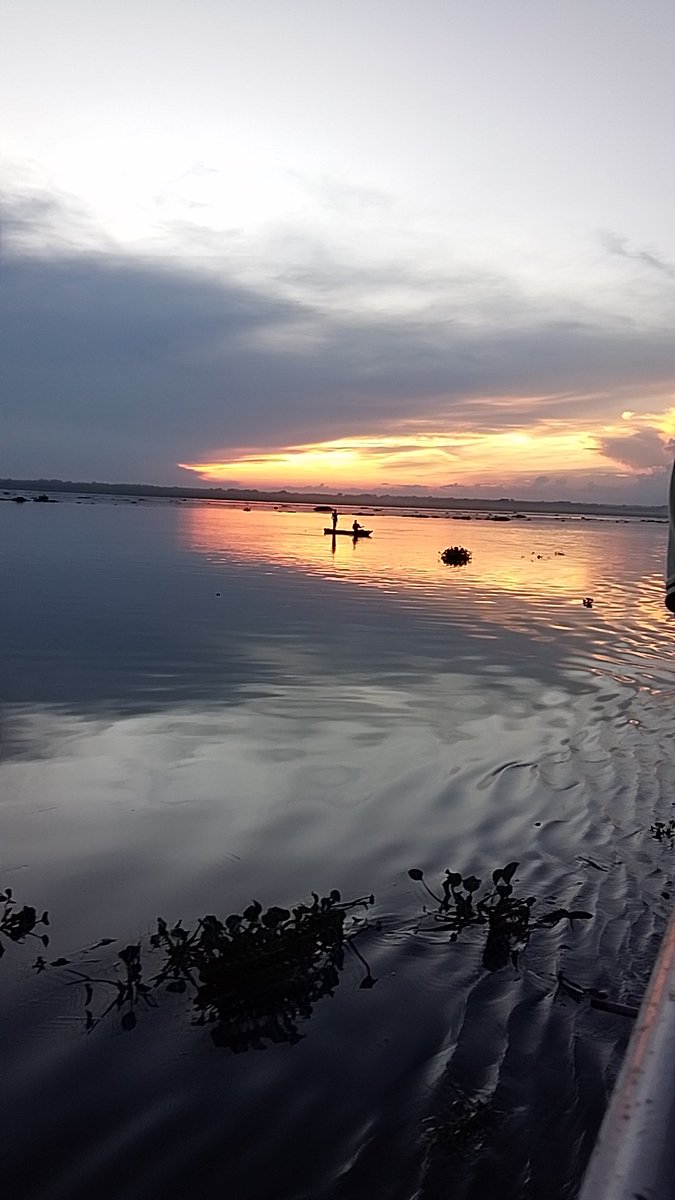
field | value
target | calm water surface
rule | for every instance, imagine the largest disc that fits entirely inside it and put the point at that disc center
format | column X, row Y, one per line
column 204, row 707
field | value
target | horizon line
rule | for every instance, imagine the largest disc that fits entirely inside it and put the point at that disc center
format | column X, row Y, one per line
column 307, row 496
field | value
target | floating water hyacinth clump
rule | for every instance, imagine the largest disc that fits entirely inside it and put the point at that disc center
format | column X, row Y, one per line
column 508, row 918
column 456, row 556
column 252, row 977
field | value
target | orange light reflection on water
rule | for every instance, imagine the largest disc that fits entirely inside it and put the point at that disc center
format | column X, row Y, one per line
column 520, row 557
column 528, row 577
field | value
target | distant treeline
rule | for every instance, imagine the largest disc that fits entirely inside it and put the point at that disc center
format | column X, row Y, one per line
column 371, row 499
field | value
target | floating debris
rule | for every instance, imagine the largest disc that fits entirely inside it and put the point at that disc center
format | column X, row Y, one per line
column 590, row 862
column 587, row 601
column 596, row 997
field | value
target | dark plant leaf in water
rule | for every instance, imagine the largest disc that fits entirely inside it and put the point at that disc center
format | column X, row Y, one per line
column 60, row 962
column 509, row 871
column 471, row 883
column 128, row 1020
column 415, row 873
column 368, row 982
column 275, row 916
column 130, row 954
column 253, row 911
column 454, row 878
column 560, row 914
column 176, row 985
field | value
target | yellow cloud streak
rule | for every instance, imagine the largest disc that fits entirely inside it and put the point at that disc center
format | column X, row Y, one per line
column 434, row 459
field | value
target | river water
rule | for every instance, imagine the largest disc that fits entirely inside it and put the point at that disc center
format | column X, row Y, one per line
column 203, row 708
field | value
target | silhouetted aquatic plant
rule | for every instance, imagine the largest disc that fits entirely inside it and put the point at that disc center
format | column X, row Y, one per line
column 456, row 556
column 508, row 918
column 252, row 976
column 663, row 831
column 17, row 924
column 461, row 1126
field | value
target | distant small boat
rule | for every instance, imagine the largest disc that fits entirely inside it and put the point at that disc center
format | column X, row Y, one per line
column 349, row 532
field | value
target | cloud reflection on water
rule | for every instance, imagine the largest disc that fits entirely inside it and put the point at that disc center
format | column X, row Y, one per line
column 329, row 721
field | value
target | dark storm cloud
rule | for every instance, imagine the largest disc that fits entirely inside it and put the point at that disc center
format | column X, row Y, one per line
column 119, row 367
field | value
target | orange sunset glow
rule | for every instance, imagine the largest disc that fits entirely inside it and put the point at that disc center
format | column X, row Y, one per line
column 437, row 459
column 295, row 539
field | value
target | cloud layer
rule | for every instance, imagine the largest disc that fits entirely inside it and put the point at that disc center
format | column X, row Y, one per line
column 120, row 366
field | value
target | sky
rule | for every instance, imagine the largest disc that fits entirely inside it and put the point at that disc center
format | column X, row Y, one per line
column 401, row 246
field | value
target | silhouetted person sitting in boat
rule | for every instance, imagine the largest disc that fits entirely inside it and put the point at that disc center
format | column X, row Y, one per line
column 356, row 527
column 334, row 518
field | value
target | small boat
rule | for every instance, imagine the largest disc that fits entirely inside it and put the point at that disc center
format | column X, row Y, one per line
column 632, row 1155
column 349, row 532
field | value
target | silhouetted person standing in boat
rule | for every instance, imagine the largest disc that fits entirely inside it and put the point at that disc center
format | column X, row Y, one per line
column 334, row 518
column 670, row 561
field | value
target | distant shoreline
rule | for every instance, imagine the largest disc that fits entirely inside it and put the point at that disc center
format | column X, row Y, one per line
column 340, row 499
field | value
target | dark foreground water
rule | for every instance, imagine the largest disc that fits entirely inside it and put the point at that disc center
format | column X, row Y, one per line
column 208, row 714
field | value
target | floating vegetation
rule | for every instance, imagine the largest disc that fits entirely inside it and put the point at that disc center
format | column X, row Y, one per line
column 462, row 1127
column 663, row 831
column 456, row 556
column 252, row 977
column 17, row 924
column 508, row 918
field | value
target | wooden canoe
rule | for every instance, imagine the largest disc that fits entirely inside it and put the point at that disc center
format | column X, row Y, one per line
column 348, row 533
